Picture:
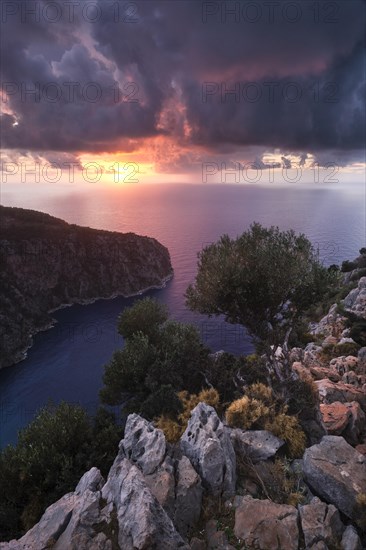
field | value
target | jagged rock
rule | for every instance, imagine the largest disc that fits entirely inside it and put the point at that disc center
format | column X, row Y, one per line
column 346, row 419
column 351, row 378
column 91, row 480
column 329, row 392
column 312, row 355
column 143, row 444
column 320, row 373
column 188, row 496
column 355, row 301
column 336, row 472
column 350, row 539
column 142, row 521
column 162, row 485
column 207, row 444
column 197, row 544
column 320, row 523
column 265, row 524
column 53, row 522
column 256, row 445
column 330, row 325
column 344, row 364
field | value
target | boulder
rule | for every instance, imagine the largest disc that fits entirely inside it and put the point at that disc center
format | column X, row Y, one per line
column 206, row 442
column 350, row 539
column 336, row 472
column 264, row 524
column 320, row 523
column 346, row 419
column 256, row 445
column 355, row 301
column 142, row 522
column 320, row 373
column 143, row 444
column 329, row 392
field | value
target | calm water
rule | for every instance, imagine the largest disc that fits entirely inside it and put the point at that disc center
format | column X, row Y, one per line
column 66, row 361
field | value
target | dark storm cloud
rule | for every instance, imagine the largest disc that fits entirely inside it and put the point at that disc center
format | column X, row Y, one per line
column 297, row 74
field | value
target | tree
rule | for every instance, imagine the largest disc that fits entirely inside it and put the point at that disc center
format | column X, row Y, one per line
column 171, row 357
column 145, row 316
column 264, row 279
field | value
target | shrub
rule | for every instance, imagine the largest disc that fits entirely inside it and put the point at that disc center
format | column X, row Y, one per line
column 260, row 409
column 287, row 428
column 348, row 266
column 245, row 412
column 358, row 333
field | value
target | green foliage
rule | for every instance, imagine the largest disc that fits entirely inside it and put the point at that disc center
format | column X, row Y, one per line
column 127, row 369
column 363, row 251
column 51, row 455
column 154, row 368
column 348, row 266
column 264, row 280
column 145, row 316
column 163, row 401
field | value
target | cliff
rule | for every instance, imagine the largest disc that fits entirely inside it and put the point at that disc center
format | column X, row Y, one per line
column 46, row 263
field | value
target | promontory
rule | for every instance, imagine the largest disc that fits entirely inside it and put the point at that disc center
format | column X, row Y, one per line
column 47, row 263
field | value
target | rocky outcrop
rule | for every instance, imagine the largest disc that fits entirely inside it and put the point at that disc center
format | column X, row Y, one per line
column 256, row 445
column 355, row 301
column 263, row 524
column 207, row 444
column 336, row 472
column 46, row 263
column 153, row 495
column 329, row 392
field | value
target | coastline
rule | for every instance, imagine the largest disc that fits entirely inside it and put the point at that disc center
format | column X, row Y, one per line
column 23, row 353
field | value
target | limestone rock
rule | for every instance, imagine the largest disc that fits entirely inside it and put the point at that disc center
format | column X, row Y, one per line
column 329, row 392
column 256, row 445
column 162, row 485
column 350, row 539
column 264, row 524
column 336, row 472
column 346, row 419
column 355, row 301
column 142, row 521
column 320, row 523
column 143, row 444
column 361, row 356
column 188, row 496
column 330, row 325
column 344, row 364
column 207, row 444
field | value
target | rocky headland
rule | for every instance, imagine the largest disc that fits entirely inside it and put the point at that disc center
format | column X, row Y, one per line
column 47, row 263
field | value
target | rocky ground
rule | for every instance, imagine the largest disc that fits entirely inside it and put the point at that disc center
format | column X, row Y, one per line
column 46, row 263
column 224, row 488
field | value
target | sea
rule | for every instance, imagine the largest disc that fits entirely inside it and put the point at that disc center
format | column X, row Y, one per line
column 66, row 362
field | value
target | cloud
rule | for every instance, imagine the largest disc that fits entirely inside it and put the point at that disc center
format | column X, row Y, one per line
column 189, row 71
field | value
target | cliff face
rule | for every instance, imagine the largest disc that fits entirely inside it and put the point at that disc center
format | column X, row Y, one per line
column 46, row 262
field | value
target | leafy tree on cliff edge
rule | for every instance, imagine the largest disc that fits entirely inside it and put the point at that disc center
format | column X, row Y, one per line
column 264, row 279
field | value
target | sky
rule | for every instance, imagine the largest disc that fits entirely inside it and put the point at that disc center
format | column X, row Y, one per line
column 182, row 90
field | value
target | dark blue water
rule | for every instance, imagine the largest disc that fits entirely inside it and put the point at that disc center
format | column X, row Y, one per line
column 66, row 362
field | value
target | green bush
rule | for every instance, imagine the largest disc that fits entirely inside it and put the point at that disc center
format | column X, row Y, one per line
column 145, row 316
column 348, row 266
